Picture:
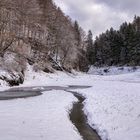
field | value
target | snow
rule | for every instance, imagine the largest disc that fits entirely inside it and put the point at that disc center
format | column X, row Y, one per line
column 57, row 79
column 39, row 78
column 112, row 70
column 3, row 84
column 9, row 75
column 112, row 106
column 38, row 118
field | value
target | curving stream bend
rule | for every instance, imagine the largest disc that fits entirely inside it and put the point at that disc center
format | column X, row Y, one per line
column 79, row 119
column 77, row 116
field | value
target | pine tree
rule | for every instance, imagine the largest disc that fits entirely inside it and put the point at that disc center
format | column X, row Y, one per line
column 90, row 48
column 120, row 47
column 77, row 33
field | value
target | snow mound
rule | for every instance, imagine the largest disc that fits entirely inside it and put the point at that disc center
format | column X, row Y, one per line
column 112, row 70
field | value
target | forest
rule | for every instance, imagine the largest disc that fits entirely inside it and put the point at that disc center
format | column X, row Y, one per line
column 38, row 32
column 117, row 47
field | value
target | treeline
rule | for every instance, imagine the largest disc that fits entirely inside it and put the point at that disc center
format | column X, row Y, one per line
column 42, row 35
column 117, row 47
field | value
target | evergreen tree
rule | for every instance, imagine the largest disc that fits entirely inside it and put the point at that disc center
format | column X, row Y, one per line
column 120, row 47
column 77, row 33
column 90, row 48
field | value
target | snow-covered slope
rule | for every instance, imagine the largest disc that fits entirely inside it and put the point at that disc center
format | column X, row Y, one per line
column 113, row 108
column 112, row 105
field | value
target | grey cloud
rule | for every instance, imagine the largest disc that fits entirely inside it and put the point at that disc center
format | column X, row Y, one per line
column 99, row 15
column 128, row 5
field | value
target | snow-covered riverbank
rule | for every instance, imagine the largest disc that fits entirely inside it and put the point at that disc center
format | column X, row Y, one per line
column 38, row 118
column 113, row 106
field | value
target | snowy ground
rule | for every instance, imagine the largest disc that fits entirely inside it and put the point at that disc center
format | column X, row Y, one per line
column 38, row 118
column 112, row 105
column 112, row 70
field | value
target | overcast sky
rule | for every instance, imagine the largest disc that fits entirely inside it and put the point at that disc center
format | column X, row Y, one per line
column 100, row 15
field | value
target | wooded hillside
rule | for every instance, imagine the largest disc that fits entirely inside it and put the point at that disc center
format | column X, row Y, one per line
column 40, row 33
